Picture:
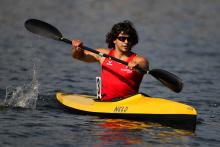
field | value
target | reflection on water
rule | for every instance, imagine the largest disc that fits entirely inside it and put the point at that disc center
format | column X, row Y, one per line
column 125, row 132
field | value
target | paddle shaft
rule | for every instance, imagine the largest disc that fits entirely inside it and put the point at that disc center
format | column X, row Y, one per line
column 103, row 55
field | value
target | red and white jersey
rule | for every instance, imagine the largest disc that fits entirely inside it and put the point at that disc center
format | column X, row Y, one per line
column 118, row 80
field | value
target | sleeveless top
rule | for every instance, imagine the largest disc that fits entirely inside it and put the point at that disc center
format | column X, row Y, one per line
column 118, row 81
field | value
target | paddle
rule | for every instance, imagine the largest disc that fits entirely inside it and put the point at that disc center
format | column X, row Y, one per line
column 44, row 29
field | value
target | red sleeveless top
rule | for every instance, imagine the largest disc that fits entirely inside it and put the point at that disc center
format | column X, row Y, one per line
column 118, row 81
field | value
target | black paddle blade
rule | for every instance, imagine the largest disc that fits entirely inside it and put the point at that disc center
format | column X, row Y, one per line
column 42, row 28
column 168, row 79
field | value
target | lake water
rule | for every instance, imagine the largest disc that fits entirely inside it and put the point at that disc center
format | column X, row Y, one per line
column 179, row 36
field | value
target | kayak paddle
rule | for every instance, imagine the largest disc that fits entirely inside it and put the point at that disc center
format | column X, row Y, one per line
column 44, row 29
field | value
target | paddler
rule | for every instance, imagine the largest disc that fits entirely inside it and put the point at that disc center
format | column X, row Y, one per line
column 118, row 80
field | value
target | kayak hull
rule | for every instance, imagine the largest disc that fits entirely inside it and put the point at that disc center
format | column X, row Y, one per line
column 138, row 107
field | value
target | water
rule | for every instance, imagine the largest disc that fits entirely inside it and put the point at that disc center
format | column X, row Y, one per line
column 23, row 96
column 179, row 36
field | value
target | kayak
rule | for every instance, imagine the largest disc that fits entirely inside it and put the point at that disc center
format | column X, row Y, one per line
column 139, row 107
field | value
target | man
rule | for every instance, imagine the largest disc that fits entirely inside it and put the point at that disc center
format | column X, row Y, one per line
column 118, row 80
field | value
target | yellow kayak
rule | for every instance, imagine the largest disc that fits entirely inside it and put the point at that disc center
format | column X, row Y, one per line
column 136, row 107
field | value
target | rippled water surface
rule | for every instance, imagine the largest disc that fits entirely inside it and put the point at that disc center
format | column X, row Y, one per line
column 179, row 36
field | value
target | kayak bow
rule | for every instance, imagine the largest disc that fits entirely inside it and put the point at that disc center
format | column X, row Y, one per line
column 138, row 107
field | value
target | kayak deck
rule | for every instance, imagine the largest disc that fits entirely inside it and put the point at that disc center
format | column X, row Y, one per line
column 137, row 107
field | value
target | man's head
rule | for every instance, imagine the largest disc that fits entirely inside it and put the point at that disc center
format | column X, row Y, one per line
column 125, row 27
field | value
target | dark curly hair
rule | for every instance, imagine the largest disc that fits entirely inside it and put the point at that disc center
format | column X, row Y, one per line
column 127, row 28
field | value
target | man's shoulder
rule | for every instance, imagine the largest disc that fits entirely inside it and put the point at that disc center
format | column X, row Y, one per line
column 140, row 58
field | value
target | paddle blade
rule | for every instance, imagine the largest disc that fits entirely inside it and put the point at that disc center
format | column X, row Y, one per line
column 42, row 28
column 168, row 79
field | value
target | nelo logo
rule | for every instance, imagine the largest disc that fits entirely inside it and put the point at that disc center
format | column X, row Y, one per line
column 121, row 109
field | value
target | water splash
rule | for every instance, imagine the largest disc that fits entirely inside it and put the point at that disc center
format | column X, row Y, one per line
column 23, row 96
